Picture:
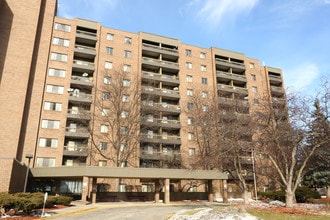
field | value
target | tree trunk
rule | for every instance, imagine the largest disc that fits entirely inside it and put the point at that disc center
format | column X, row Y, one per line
column 246, row 197
column 289, row 198
column 328, row 191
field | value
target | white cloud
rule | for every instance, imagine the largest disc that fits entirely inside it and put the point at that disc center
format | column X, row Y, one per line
column 217, row 12
column 302, row 76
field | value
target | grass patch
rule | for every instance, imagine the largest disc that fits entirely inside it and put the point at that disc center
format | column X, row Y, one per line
column 267, row 215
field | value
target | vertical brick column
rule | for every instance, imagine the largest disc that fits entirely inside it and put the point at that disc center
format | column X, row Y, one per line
column 210, row 190
column 225, row 192
column 94, row 189
column 157, row 185
column 84, row 192
column 167, row 191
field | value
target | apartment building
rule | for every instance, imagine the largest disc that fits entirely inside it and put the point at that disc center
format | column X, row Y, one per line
column 56, row 105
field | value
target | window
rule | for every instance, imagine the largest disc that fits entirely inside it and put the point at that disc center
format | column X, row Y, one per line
column 251, row 65
column 205, row 94
column 254, row 89
column 125, row 98
column 128, row 40
column 191, row 152
column 122, row 187
column 62, row 27
column 110, row 36
column 105, row 95
column 190, row 136
column 253, row 77
column 45, row 162
column 127, row 54
column 55, row 89
column 103, row 146
column 205, row 108
column 56, row 72
column 104, row 129
column 193, row 188
column 189, row 92
column 108, row 65
column 59, row 57
column 48, row 142
column 188, row 53
column 190, row 105
column 189, row 78
column 52, row 124
column 105, row 112
column 53, row 106
column 109, row 50
column 123, row 130
column 188, row 65
column 107, row 80
column 61, row 41
column 124, row 114
column 202, row 55
column 127, row 68
column 123, row 147
column 203, row 68
column 190, row 121
column 102, row 163
column 255, row 101
column 204, row 81
column 126, row 82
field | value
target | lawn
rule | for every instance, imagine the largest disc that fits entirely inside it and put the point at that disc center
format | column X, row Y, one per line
column 268, row 215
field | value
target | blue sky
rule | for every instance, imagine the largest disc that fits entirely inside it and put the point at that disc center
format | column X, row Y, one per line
column 293, row 35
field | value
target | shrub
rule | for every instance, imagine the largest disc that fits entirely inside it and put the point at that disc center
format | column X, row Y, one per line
column 63, row 200
column 305, row 193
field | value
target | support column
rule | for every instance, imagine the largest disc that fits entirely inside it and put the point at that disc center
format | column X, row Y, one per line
column 157, row 186
column 210, row 190
column 167, row 191
column 84, row 192
column 225, row 192
column 94, row 189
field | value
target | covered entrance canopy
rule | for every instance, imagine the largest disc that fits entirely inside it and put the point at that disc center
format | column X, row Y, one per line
column 94, row 172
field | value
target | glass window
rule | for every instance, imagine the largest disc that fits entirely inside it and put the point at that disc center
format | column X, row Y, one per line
column 102, row 163
column 189, row 78
column 203, row 68
column 188, row 65
column 56, row 72
column 48, row 142
column 125, row 98
column 255, row 101
column 103, row 145
column 204, row 81
column 253, row 77
column 53, row 106
column 127, row 68
column 205, row 108
column 109, row 50
column 123, row 130
column 188, row 53
column 190, row 136
column 104, row 129
column 127, row 54
column 202, row 55
column 107, row 80
column 251, row 65
column 190, row 121
column 205, row 94
column 106, row 95
column 128, row 40
column 105, row 112
column 190, row 105
column 254, row 89
column 61, row 41
column 126, row 82
column 189, row 92
column 110, row 36
column 124, row 114
column 52, row 124
column 191, row 152
column 108, row 65
column 55, row 89
column 62, row 27
column 45, row 162
column 59, row 57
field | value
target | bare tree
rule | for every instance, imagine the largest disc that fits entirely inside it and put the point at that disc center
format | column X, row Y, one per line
column 283, row 139
column 115, row 131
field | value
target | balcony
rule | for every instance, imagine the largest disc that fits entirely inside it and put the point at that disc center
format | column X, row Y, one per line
column 163, row 107
column 157, row 49
column 79, row 97
column 81, row 81
column 78, row 114
column 175, row 124
column 76, row 132
column 170, row 94
column 160, row 155
column 86, row 37
column 231, row 64
column 157, row 138
column 231, row 76
column 170, row 80
column 77, row 150
column 277, row 91
column 160, row 63
column 232, row 89
column 279, row 101
column 233, row 102
column 84, row 51
column 83, row 66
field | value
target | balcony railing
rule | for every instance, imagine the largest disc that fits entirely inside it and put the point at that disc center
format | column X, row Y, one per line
column 80, row 132
column 161, row 92
column 85, row 51
column 160, row 77
column 277, row 90
column 83, row 65
column 233, row 89
column 231, row 76
column 86, row 35
column 150, row 46
column 79, row 114
column 76, row 150
column 81, row 80
column 230, row 63
column 160, row 155
column 233, row 102
column 77, row 96
column 162, row 122
column 161, row 106
column 158, row 138
column 162, row 63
